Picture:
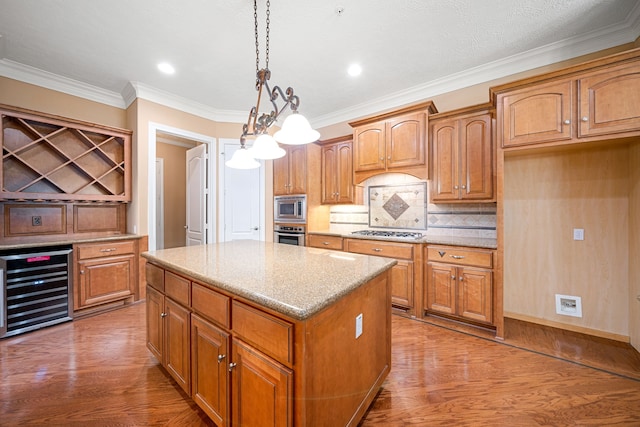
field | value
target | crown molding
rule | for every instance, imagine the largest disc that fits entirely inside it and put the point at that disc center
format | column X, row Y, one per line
column 27, row 74
column 593, row 41
column 135, row 90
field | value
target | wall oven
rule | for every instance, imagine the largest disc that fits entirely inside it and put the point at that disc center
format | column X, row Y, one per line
column 289, row 209
column 289, row 234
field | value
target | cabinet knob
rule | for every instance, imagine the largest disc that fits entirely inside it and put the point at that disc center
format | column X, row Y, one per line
column 163, row 315
column 231, row 366
column 455, row 187
column 567, row 122
column 81, row 271
column 381, row 158
column 460, row 278
column 585, row 119
column 389, row 158
column 453, row 277
column 464, row 186
column 221, row 357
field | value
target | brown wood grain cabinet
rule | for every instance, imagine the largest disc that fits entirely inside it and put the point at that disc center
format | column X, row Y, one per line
column 105, row 272
column 459, row 283
column 290, row 171
column 393, row 142
column 462, row 158
column 405, row 275
column 337, row 171
column 577, row 105
column 325, row 241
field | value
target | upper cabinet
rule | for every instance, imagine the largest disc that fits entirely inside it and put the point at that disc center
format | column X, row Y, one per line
column 290, row 171
column 46, row 157
column 337, row 171
column 574, row 105
column 393, row 142
column 463, row 156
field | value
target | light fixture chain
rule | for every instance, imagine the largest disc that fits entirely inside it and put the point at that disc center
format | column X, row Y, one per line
column 267, row 45
column 255, row 22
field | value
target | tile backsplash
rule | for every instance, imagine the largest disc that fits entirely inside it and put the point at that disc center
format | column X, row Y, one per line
column 409, row 209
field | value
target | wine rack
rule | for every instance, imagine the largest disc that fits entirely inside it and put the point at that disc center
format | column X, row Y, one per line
column 47, row 158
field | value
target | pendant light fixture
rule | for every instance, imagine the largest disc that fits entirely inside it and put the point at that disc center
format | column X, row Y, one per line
column 295, row 130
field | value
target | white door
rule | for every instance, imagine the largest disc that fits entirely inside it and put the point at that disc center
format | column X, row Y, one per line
column 196, row 227
column 242, row 204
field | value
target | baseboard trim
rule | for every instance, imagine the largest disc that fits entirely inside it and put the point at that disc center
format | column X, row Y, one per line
column 567, row 327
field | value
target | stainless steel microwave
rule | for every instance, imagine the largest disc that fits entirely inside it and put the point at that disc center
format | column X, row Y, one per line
column 291, row 208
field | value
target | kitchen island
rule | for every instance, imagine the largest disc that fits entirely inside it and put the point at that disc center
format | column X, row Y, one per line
column 270, row 334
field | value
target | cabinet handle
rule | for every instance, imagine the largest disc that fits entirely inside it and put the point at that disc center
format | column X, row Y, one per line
column 457, row 256
column 81, row 271
column 567, row 122
column 464, row 186
column 585, row 119
column 389, row 158
column 163, row 315
column 381, row 158
column 108, row 250
column 460, row 278
column 325, row 243
column 221, row 357
column 453, row 277
column 231, row 366
column 455, row 187
column 377, row 250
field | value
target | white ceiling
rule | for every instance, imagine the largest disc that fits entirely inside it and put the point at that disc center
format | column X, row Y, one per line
column 410, row 50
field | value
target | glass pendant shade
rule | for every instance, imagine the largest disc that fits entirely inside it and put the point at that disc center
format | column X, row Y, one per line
column 265, row 147
column 296, row 130
column 242, row 159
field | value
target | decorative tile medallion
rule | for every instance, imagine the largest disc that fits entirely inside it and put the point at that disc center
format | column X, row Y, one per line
column 398, row 206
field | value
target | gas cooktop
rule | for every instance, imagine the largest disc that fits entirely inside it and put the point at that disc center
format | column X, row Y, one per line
column 409, row 235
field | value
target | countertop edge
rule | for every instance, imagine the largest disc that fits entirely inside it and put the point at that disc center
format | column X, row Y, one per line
column 69, row 241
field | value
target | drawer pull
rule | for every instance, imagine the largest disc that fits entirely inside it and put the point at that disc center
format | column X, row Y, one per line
column 457, row 256
column 377, row 250
column 108, row 250
column 325, row 243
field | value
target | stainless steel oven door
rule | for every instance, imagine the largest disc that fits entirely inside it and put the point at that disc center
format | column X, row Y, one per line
column 296, row 239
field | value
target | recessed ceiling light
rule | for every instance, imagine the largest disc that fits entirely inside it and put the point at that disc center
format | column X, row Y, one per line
column 354, row 70
column 166, row 68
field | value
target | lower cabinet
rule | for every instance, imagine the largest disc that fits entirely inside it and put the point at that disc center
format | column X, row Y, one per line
column 404, row 275
column 459, row 283
column 105, row 272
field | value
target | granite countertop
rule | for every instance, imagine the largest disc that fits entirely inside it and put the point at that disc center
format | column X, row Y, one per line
column 67, row 241
column 474, row 242
column 292, row 280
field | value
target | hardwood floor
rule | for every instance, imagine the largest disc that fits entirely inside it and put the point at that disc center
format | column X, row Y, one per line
column 97, row 372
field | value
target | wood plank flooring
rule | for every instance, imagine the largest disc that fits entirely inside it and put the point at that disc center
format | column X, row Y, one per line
column 97, row 372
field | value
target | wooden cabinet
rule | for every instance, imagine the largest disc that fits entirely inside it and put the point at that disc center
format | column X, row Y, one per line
column 337, row 171
column 405, row 275
column 462, row 157
column 105, row 272
column 394, row 142
column 459, row 283
column 290, row 171
column 49, row 158
column 575, row 105
column 324, row 241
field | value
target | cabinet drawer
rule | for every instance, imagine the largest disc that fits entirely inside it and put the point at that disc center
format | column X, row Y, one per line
column 325, row 241
column 386, row 249
column 460, row 256
column 211, row 304
column 177, row 288
column 87, row 251
column 270, row 334
column 155, row 276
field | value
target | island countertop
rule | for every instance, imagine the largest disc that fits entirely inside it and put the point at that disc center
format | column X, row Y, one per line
column 292, row 280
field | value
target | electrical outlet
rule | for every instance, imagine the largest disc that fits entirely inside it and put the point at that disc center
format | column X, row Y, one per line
column 358, row 325
column 569, row 305
column 578, row 234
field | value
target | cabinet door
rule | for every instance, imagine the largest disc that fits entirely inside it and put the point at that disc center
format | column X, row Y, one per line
column 297, row 169
column 402, row 284
column 155, row 314
column 262, row 389
column 601, row 110
column 405, row 141
column 103, row 280
column 441, row 288
column 476, row 158
column 475, row 294
column 540, row 114
column 329, row 174
column 344, row 173
column 177, row 341
column 210, row 376
column 444, row 185
column 369, row 147
column 281, row 176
